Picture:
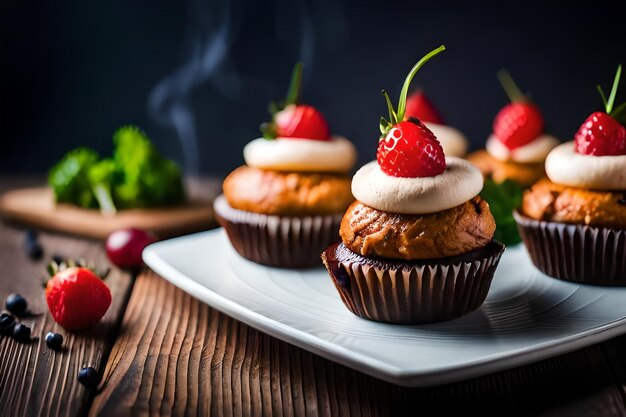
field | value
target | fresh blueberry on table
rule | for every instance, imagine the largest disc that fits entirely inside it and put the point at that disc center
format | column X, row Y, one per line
column 6, row 323
column 54, row 341
column 16, row 304
column 32, row 246
column 21, row 333
column 32, row 235
column 57, row 259
column 88, row 376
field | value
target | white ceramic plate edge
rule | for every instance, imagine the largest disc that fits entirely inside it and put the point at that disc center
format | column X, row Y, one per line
column 363, row 363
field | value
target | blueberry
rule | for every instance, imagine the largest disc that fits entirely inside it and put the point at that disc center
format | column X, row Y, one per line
column 21, row 333
column 88, row 376
column 6, row 323
column 57, row 259
column 17, row 304
column 31, row 235
column 54, row 341
column 34, row 249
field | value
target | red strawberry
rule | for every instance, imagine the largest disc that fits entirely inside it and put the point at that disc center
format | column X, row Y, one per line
column 301, row 121
column 411, row 150
column 418, row 106
column 294, row 120
column 518, row 124
column 407, row 148
column 77, row 298
column 602, row 134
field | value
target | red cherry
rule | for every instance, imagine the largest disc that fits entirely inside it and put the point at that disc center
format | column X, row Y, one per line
column 418, row 106
column 301, row 121
column 124, row 247
column 518, row 124
column 410, row 150
column 600, row 135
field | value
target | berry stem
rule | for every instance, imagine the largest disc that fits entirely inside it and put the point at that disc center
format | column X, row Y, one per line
column 293, row 94
column 409, row 78
column 510, row 87
column 611, row 101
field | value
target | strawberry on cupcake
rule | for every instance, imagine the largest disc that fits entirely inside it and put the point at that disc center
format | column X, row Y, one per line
column 417, row 246
column 453, row 142
column 574, row 223
column 284, row 206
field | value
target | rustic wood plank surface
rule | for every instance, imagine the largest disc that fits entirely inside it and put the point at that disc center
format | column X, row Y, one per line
column 35, row 381
column 162, row 352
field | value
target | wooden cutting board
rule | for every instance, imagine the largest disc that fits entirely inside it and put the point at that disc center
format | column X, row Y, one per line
column 35, row 207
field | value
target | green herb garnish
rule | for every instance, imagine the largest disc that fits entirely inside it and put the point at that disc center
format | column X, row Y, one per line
column 137, row 176
column 503, row 199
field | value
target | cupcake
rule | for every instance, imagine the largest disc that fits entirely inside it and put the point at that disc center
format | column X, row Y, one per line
column 416, row 245
column 518, row 146
column 285, row 204
column 452, row 140
column 574, row 223
column 513, row 159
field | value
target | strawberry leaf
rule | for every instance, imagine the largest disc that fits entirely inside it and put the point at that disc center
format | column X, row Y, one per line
column 619, row 113
column 384, row 127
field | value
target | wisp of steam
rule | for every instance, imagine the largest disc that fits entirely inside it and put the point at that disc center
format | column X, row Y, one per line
column 211, row 30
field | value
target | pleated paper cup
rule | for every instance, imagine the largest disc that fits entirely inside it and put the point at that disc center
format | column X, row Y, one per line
column 412, row 292
column 280, row 241
column 575, row 252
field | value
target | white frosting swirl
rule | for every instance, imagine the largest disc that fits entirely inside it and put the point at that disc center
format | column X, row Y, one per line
column 567, row 167
column 452, row 140
column 460, row 182
column 301, row 155
column 535, row 151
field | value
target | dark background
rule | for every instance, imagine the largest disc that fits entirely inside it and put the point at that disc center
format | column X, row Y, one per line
column 204, row 71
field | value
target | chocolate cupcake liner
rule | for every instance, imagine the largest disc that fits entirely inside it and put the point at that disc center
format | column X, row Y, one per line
column 575, row 252
column 412, row 292
column 280, row 241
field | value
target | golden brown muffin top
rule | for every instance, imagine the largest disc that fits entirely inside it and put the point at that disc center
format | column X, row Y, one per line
column 553, row 202
column 523, row 174
column 287, row 193
column 461, row 229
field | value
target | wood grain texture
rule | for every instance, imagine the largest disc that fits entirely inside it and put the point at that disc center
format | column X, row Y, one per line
column 177, row 356
column 35, row 381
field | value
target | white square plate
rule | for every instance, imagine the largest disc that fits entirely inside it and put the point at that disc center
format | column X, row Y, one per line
column 527, row 316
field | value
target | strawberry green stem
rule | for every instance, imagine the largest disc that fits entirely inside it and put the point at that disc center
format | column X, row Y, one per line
column 409, row 78
column 293, row 94
column 611, row 101
column 510, row 87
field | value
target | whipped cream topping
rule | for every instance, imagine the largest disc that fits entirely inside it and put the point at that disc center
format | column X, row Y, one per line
column 567, row 167
column 301, row 155
column 535, row 151
column 452, row 140
column 460, row 182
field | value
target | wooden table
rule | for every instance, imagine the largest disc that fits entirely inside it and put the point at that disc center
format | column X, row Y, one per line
column 162, row 352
